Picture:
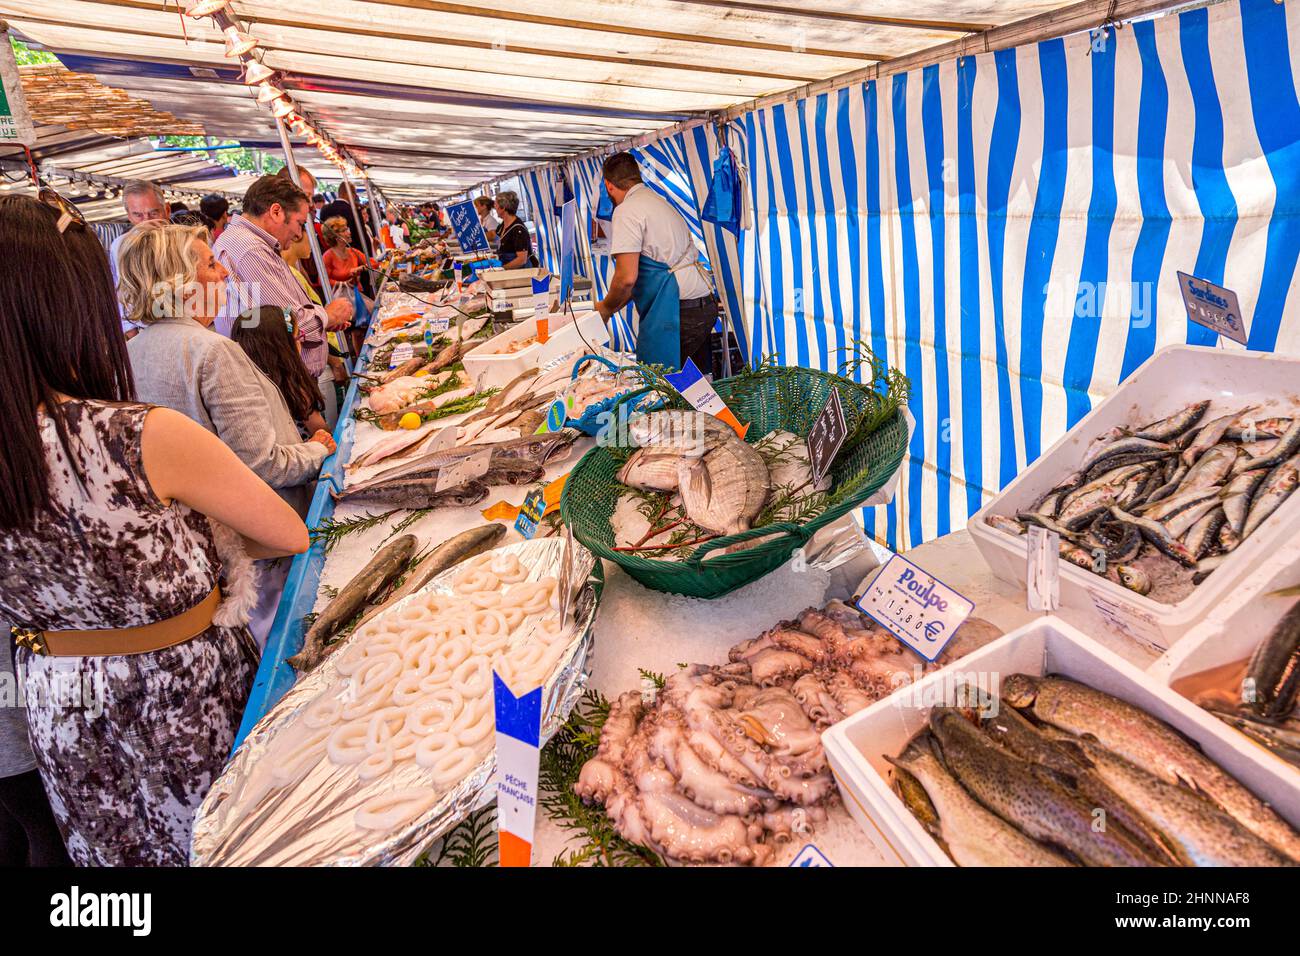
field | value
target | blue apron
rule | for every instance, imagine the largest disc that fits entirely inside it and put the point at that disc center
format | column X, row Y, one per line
column 658, row 305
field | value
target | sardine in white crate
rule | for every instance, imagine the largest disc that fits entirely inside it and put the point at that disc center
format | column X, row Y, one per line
column 856, row 747
column 1169, row 381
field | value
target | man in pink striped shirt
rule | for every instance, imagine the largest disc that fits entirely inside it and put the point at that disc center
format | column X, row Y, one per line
column 275, row 213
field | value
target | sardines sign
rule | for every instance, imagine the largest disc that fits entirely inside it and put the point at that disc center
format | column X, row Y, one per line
column 15, row 122
column 469, row 231
column 1213, row 306
column 917, row 608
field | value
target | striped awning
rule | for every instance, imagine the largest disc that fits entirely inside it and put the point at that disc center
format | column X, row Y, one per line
column 434, row 97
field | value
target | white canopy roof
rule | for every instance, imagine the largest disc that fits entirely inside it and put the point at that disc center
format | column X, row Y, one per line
column 433, row 97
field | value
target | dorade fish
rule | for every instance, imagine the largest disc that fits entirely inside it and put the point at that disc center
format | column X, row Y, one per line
column 724, row 490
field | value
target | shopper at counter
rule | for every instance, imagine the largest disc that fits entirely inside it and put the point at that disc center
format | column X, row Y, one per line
column 490, row 223
column 516, row 248
column 216, row 208
column 173, row 286
column 343, row 262
column 143, row 202
column 275, row 213
column 267, row 339
column 108, row 567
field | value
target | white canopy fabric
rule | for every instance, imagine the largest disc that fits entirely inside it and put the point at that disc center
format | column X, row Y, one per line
column 434, row 97
column 84, row 165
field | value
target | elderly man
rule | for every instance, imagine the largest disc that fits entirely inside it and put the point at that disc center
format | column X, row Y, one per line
column 657, row 266
column 143, row 202
column 275, row 213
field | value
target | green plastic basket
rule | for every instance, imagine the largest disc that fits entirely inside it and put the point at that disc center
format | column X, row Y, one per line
column 770, row 398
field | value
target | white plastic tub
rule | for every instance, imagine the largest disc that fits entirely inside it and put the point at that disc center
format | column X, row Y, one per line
column 855, row 747
column 489, row 367
column 1170, row 380
column 1233, row 629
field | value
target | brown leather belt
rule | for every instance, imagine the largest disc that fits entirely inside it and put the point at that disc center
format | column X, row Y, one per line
column 116, row 641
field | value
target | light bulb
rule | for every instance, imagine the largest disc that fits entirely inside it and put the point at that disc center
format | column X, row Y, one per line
column 204, row 8
column 238, row 43
column 255, row 73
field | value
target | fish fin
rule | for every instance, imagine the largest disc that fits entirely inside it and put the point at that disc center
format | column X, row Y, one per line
column 697, row 481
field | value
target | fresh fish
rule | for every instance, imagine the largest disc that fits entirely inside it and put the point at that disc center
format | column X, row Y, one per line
column 1149, row 458
column 1274, row 490
column 1228, row 539
column 1205, row 533
column 1131, row 577
column 1003, row 523
column 1202, row 832
column 971, row 834
column 1026, row 796
column 1125, row 446
column 1030, row 517
column 409, row 367
column 1167, row 429
column 512, row 390
column 1211, row 468
column 387, row 563
column 1248, row 431
column 1273, row 675
column 1280, row 739
column 451, row 552
column 648, row 471
column 1078, row 556
column 1158, row 535
column 1009, row 728
column 448, row 356
column 725, row 490
column 396, row 393
column 1173, row 479
column 417, row 493
column 1179, row 524
column 391, row 420
column 1287, row 445
column 1207, row 565
column 1177, row 504
column 1141, row 739
column 1209, row 435
column 1118, row 541
column 678, row 431
column 1238, row 496
column 1086, row 505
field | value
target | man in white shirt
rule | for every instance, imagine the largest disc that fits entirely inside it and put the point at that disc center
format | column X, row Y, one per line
column 143, row 202
column 657, row 267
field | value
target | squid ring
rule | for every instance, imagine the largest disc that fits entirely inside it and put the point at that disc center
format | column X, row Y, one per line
column 433, row 747
column 347, row 744
column 323, row 712
column 388, row 810
column 451, row 767
column 376, row 764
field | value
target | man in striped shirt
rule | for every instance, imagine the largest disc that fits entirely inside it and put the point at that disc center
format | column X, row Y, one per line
column 275, row 213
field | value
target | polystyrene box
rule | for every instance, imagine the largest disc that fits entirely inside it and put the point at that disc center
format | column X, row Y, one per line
column 856, row 746
column 488, row 366
column 1170, row 380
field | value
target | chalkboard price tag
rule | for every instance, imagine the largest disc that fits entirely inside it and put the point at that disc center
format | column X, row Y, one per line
column 827, row 435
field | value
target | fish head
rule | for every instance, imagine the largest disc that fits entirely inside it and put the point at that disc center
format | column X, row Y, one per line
column 1134, row 578
column 1020, row 690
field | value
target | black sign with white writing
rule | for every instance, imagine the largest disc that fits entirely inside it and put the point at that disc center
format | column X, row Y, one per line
column 1213, row 306
column 826, row 437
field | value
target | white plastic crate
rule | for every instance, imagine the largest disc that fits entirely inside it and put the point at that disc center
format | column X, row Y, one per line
column 489, row 367
column 857, row 745
column 1170, row 380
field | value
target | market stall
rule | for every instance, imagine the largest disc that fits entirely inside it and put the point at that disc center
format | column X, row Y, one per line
column 993, row 532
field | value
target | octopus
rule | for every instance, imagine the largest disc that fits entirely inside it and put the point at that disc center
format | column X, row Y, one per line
column 726, row 764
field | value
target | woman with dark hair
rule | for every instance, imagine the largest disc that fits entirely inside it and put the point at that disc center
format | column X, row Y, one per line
column 516, row 247
column 108, row 566
column 266, row 334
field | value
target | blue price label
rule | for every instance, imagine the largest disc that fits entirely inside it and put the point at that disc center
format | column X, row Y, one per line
column 530, row 513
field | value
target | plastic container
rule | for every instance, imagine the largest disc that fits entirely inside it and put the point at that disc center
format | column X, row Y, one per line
column 488, row 366
column 1233, row 629
column 1170, row 380
column 854, row 746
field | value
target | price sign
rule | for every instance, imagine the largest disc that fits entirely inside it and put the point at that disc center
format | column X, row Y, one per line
column 518, row 726
column 469, row 231
column 1212, row 306
column 462, row 472
column 917, row 608
column 697, row 390
column 530, row 513
column 827, row 435
column 436, row 325
column 402, row 353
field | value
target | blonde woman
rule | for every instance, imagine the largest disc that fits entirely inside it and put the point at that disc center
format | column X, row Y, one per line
column 171, row 284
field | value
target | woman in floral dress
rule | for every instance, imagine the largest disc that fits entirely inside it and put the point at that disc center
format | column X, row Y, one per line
column 104, row 526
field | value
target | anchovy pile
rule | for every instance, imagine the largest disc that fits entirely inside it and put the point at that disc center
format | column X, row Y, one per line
column 1190, row 487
